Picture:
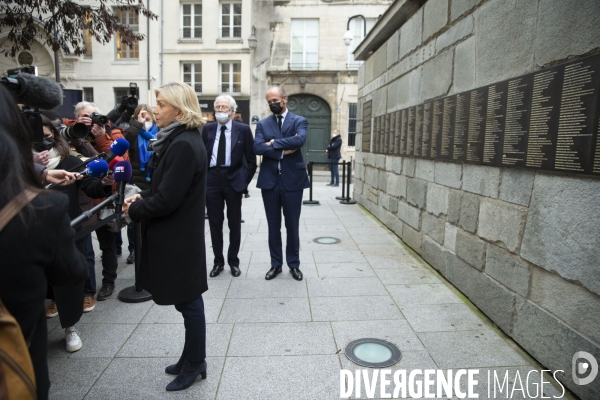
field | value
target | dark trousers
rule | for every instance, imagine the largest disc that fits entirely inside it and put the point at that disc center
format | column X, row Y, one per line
column 275, row 200
column 130, row 237
column 218, row 193
column 89, row 288
column 335, row 171
column 195, row 329
column 106, row 239
column 38, row 350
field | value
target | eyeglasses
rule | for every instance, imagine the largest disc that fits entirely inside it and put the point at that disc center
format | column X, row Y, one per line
column 221, row 108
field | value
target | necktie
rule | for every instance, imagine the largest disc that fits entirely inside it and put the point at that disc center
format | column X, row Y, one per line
column 221, row 150
column 280, row 121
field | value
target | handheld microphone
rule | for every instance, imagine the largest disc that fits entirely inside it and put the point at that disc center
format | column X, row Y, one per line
column 117, row 148
column 34, row 91
column 122, row 174
column 95, row 169
column 111, row 165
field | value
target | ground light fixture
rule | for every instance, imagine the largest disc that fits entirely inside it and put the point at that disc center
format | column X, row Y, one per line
column 326, row 240
column 372, row 353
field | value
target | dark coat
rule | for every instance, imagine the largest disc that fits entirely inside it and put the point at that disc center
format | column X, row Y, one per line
column 292, row 136
column 131, row 135
column 34, row 255
column 243, row 160
column 173, row 259
column 333, row 150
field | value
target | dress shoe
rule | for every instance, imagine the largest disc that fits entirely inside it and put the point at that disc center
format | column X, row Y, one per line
column 273, row 272
column 296, row 273
column 235, row 271
column 106, row 291
column 175, row 369
column 329, row 184
column 216, row 271
column 186, row 377
column 131, row 258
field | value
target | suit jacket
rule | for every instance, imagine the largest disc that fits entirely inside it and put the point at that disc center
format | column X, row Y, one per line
column 173, row 259
column 243, row 160
column 292, row 137
column 333, row 150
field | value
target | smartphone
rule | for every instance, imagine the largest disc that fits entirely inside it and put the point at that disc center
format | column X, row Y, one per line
column 133, row 89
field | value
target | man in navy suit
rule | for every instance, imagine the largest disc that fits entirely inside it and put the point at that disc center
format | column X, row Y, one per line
column 282, row 178
column 232, row 164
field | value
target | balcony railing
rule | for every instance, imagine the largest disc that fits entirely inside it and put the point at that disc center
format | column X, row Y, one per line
column 302, row 66
column 231, row 88
column 354, row 65
column 190, row 33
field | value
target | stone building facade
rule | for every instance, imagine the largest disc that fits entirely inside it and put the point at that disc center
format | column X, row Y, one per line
column 521, row 244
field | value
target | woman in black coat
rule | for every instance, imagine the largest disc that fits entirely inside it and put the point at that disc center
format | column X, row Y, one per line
column 334, row 154
column 37, row 245
column 173, row 260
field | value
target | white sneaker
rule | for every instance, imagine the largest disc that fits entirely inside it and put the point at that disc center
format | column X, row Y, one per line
column 72, row 339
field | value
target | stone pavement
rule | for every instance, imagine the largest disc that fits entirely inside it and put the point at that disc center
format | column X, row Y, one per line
column 284, row 339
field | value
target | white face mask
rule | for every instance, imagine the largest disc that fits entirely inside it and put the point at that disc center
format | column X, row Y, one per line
column 147, row 125
column 222, row 117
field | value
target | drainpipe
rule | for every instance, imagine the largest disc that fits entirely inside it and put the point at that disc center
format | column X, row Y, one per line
column 162, row 19
column 148, row 52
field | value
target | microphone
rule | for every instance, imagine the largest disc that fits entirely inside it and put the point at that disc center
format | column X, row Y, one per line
column 122, row 174
column 34, row 91
column 117, row 148
column 95, row 169
column 111, row 165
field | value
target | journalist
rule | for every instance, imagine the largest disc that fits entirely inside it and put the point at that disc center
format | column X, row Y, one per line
column 37, row 244
column 173, row 259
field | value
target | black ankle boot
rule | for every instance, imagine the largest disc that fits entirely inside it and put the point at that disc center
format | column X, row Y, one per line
column 175, row 369
column 186, row 377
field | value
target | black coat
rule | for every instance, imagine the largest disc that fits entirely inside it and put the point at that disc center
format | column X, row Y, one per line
column 32, row 256
column 243, row 159
column 131, row 135
column 333, row 150
column 173, row 259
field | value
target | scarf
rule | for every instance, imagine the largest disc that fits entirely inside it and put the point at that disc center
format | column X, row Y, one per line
column 53, row 158
column 163, row 135
column 144, row 137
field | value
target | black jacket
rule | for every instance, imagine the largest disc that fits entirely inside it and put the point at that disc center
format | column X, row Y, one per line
column 333, row 150
column 173, row 259
column 131, row 135
column 243, row 159
column 34, row 255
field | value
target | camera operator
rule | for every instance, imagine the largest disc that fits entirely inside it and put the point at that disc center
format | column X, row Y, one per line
column 101, row 136
column 80, row 148
column 37, row 245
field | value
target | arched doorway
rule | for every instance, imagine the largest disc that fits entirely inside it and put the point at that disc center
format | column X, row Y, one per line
column 318, row 114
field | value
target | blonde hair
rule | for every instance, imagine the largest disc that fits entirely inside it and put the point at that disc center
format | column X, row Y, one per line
column 182, row 97
column 144, row 107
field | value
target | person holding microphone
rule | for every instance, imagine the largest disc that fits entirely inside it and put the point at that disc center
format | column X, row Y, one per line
column 173, row 258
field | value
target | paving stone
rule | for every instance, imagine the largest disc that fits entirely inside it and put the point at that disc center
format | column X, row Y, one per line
column 516, row 186
column 448, row 174
column 433, row 227
column 289, row 339
column 392, row 261
column 105, row 341
column 573, row 250
column 332, row 287
column 265, row 310
column 74, row 378
column 146, row 378
column 324, row 256
column 345, row 270
column 435, row 17
column 397, row 332
column 476, row 348
column 419, row 294
column 541, row 334
column 406, row 274
column 454, row 316
column 260, row 288
column 129, row 312
column 56, row 339
column 253, row 378
column 217, row 288
column 508, row 269
column 501, row 223
column 353, row 308
column 470, row 248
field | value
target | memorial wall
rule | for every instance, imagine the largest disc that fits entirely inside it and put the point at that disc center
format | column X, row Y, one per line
column 478, row 145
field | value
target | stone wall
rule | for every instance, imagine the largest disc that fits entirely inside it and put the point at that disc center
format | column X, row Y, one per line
column 522, row 245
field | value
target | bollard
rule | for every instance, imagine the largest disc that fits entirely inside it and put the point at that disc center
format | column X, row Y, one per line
column 135, row 294
column 310, row 200
column 343, row 196
column 349, row 200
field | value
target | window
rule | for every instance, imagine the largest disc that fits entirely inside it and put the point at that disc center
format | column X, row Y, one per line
column 119, row 93
column 191, row 20
column 88, row 94
column 351, row 124
column 358, row 30
column 231, row 77
column 191, row 73
column 231, row 20
column 87, row 37
column 305, row 44
column 124, row 52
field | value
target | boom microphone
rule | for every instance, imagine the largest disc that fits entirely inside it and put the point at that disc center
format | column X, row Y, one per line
column 117, row 149
column 34, row 91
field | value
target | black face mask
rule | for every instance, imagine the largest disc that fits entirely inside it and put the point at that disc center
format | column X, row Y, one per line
column 276, row 108
column 47, row 144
